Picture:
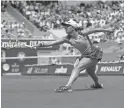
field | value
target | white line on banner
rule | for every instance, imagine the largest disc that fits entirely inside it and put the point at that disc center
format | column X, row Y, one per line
column 30, row 57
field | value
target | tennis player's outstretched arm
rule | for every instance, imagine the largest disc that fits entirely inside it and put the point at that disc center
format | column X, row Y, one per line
column 57, row 42
column 94, row 30
column 106, row 28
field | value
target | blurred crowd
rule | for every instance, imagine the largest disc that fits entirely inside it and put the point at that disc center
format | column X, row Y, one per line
column 14, row 29
column 49, row 15
column 46, row 15
column 41, row 14
column 10, row 27
column 3, row 6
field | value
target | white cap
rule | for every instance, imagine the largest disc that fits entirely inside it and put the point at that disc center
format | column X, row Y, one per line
column 70, row 23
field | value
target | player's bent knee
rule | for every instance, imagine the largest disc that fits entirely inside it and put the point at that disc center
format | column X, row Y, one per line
column 79, row 69
column 91, row 72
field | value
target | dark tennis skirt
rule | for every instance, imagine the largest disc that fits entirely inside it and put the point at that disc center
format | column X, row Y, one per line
column 95, row 53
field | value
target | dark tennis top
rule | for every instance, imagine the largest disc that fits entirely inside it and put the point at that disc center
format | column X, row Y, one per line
column 80, row 43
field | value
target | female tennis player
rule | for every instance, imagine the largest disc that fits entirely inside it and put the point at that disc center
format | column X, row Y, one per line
column 90, row 54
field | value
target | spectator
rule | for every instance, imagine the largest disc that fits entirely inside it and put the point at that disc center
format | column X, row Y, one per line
column 49, row 16
column 122, row 57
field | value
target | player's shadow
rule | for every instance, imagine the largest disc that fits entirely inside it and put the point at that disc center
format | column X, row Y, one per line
column 86, row 89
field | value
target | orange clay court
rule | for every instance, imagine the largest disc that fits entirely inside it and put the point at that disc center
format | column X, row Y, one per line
column 38, row 92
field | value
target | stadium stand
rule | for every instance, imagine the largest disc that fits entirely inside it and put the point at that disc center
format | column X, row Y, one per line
column 11, row 28
column 47, row 16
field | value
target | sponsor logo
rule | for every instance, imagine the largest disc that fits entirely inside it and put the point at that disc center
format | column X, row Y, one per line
column 29, row 71
column 40, row 70
column 21, row 56
column 110, row 68
column 22, row 43
column 61, row 70
column 6, row 67
column 33, row 43
column 15, row 44
column 15, row 65
column 15, row 70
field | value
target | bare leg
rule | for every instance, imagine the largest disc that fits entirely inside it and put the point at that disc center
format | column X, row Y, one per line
column 73, row 77
column 92, row 74
column 83, row 64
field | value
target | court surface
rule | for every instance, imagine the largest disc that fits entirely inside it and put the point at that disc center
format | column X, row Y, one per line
column 38, row 92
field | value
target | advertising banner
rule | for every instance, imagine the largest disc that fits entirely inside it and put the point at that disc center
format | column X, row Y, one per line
column 17, row 59
column 66, row 69
column 110, row 68
column 15, row 54
column 63, row 69
column 35, row 69
column 49, row 69
column 21, row 43
column 10, row 68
